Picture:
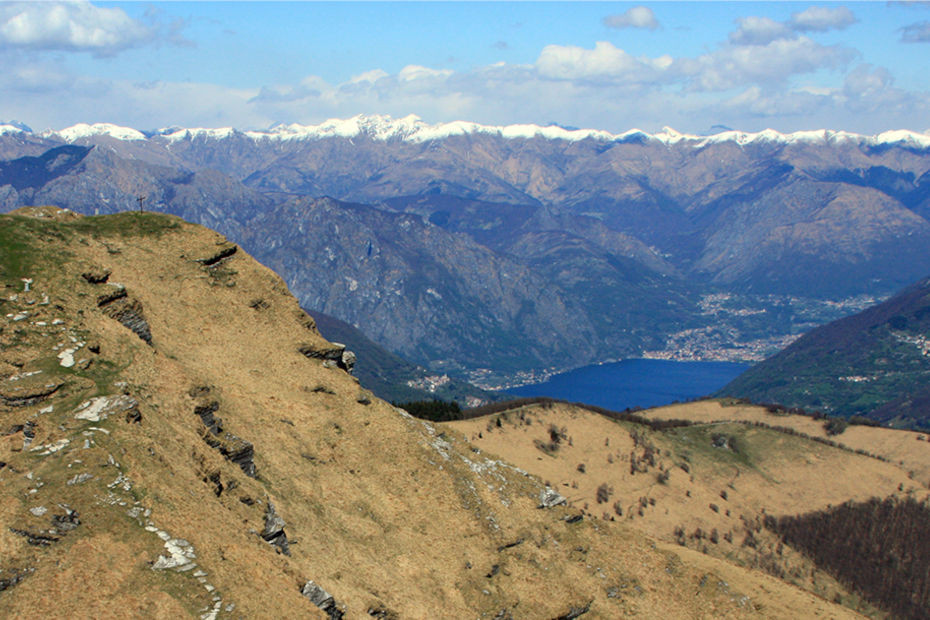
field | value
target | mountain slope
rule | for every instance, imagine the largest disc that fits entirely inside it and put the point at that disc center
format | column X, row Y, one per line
column 628, row 235
column 704, row 481
column 180, row 441
column 875, row 363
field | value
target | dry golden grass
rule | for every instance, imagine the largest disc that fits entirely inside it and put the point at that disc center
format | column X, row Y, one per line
column 694, row 494
column 910, row 450
column 384, row 511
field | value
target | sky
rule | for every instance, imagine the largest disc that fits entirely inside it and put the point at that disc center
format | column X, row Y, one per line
column 694, row 66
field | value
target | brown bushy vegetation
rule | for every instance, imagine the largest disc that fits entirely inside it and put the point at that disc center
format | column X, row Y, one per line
column 879, row 547
column 433, row 410
column 777, row 409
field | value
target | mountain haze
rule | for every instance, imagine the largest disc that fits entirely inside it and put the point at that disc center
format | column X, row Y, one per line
column 474, row 235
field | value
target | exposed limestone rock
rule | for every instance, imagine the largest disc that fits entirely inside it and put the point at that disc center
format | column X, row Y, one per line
column 348, row 360
column 79, row 479
column 101, row 407
column 51, row 448
column 180, row 556
column 549, row 498
column 274, row 530
column 323, row 599
column 337, row 353
column 233, row 448
column 66, row 357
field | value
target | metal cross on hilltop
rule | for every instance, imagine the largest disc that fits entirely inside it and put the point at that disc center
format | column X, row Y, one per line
column 140, row 200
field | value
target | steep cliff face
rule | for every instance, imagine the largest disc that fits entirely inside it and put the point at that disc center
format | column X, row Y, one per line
column 179, row 440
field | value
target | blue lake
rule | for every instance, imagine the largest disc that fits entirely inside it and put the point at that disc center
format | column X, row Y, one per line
column 636, row 383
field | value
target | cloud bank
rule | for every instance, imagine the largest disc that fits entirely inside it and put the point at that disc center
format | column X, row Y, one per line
column 766, row 73
column 69, row 26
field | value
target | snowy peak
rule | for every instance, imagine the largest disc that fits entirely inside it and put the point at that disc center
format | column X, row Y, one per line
column 83, row 130
column 412, row 128
column 13, row 127
column 176, row 134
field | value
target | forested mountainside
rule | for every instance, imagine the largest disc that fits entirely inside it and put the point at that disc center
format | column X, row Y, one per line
column 580, row 246
column 875, row 363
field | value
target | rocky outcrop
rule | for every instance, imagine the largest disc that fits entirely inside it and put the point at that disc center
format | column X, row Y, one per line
column 273, row 531
column 101, row 407
column 96, row 275
column 336, row 355
column 549, row 498
column 324, row 600
column 60, row 524
column 129, row 313
column 225, row 251
column 117, row 305
column 575, row 612
column 11, row 577
column 233, row 448
column 23, row 395
column 109, row 296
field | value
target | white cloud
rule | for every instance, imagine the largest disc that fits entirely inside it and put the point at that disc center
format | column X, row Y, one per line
column 735, row 66
column 411, row 73
column 636, row 17
column 763, row 30
column 866, row 81
column 70, row 26
column 821, row 19
column 604, row 62
column 918, row 32
column 766, row 75
column 759, row 31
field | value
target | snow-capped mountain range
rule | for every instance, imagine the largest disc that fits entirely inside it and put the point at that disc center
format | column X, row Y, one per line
column 413, row 129
column 575, row 245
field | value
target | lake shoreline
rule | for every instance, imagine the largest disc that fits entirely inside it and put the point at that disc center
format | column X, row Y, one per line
column 638, row 382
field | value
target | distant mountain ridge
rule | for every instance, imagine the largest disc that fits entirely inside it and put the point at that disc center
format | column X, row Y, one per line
column 451, row 243
column 413, row 129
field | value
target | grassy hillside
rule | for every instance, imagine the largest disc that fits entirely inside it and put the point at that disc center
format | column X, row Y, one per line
column 706, row 483
column 177, row 443
column 875, row 363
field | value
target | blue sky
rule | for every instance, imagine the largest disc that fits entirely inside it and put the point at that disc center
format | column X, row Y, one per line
column 860, row 66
